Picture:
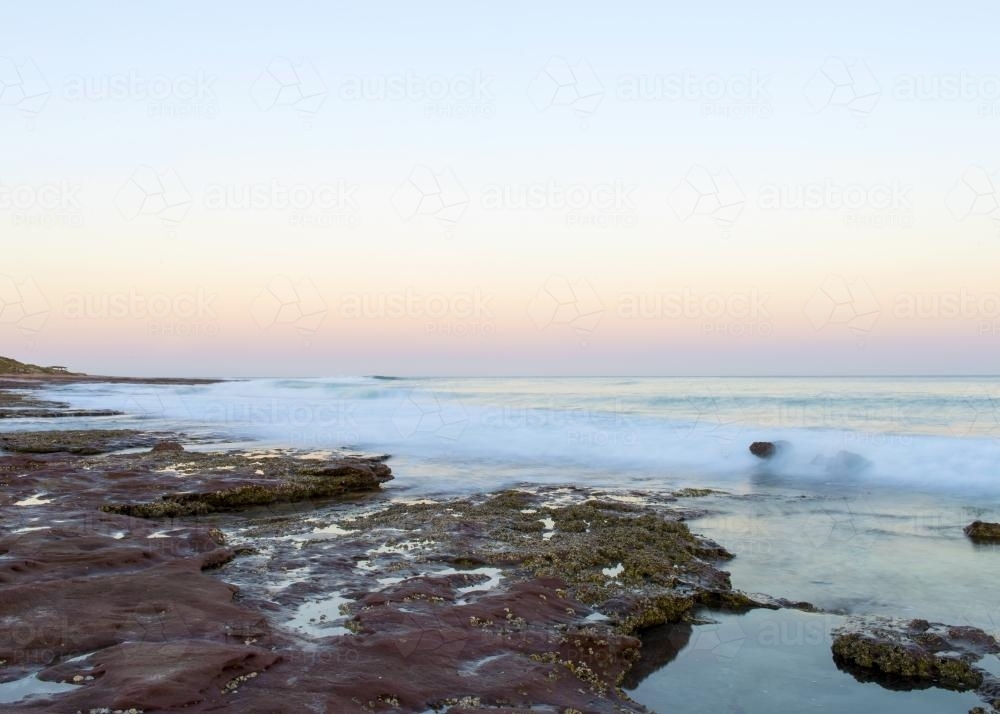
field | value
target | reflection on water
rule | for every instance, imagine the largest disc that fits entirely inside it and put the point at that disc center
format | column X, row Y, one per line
column 860, row 551
column 762, row 663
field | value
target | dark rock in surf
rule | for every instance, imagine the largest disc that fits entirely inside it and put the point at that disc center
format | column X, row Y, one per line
column 767, row 449
column 983, row 532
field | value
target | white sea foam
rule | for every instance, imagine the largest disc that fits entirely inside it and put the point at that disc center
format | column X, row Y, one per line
column 938, row 434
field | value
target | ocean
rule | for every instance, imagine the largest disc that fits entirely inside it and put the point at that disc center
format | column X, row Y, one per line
column 935, row 434
column 861, row 512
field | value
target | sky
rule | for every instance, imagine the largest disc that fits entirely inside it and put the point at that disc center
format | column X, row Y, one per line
column 322, row 189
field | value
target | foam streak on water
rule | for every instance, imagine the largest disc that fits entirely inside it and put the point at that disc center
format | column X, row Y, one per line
column 933, row 434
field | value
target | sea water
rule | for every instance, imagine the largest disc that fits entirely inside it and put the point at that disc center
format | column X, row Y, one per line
column 861, row 512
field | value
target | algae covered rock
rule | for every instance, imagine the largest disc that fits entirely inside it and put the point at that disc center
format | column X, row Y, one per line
column 916, row 653
column 224, row 482
column 638, row 565
column 83, row 442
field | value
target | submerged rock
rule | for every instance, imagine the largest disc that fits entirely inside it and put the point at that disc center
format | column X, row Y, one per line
column 167, row 447
column 844, row 463
column 916, row 653
column 983, row 531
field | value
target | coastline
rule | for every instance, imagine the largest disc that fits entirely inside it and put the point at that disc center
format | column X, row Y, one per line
column 500, row 601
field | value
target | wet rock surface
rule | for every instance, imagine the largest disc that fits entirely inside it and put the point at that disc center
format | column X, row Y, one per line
column 983, row 532
column 84, row 442
column 901, row 654
column 218, row 482
column 763, row 449
column 130, row 610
